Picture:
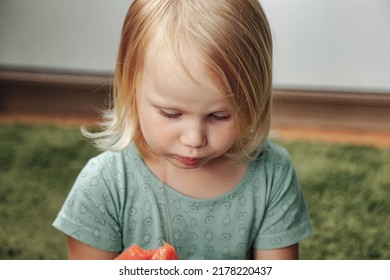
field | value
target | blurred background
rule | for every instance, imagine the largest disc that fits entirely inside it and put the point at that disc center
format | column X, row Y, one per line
column 331, row 93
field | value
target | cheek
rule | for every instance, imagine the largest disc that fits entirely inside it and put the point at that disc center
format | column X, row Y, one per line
column 145, row 123
column 226, row 137
column 148, row 129
column 154, row 131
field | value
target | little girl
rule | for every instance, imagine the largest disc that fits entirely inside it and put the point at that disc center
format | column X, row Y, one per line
column 186, row 158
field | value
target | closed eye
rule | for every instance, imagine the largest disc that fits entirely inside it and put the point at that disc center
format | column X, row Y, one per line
column 217, row 117
column 213, row 117
column 169, row 115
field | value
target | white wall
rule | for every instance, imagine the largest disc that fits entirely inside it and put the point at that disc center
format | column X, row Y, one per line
column 68, row 35
column 331, row 44
column 319, row 44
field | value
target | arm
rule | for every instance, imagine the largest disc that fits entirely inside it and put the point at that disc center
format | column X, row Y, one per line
column 287, row 253
column 81, row 251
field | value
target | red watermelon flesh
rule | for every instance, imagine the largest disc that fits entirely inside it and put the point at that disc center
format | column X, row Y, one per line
column 135, row 252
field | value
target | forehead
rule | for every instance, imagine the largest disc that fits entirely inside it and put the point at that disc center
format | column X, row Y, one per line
column 177, row 65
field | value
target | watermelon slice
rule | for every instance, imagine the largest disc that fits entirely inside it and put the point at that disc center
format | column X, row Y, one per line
column 135, row 252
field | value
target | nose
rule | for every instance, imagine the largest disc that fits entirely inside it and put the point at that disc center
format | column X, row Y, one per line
column 194, row 136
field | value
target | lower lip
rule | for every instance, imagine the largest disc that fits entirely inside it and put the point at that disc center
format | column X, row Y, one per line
column 188, row 161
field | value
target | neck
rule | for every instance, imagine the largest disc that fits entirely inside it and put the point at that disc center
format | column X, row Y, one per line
column 204, row 182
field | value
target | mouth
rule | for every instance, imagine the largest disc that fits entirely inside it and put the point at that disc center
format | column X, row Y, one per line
column 188, row 161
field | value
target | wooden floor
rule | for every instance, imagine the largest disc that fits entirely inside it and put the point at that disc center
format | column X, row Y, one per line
column 355, row 137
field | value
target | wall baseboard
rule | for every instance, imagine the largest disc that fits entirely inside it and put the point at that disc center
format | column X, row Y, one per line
column 53, row 94
column 332, row 110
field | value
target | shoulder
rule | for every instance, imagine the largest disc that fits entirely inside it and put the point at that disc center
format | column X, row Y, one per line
column 273, row 156
column 275, row 169
column 109, row 166
column 113, row 159
column 273, row 151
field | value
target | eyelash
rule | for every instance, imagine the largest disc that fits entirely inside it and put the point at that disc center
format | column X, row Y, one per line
column 177, row 115
column 168, row 115
column 220, row 118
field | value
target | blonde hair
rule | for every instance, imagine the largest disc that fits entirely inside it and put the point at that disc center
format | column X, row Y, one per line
column 233, row 40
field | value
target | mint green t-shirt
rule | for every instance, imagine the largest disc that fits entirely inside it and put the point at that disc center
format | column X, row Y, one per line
column 117, row 201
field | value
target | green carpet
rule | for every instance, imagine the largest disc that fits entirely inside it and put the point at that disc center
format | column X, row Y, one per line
column 347, row 189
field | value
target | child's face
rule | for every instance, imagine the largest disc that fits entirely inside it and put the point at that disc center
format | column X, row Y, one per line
column 188, row 123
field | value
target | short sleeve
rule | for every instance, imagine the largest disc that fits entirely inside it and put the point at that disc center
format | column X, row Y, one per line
column 286, row 220
column 89, row 213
